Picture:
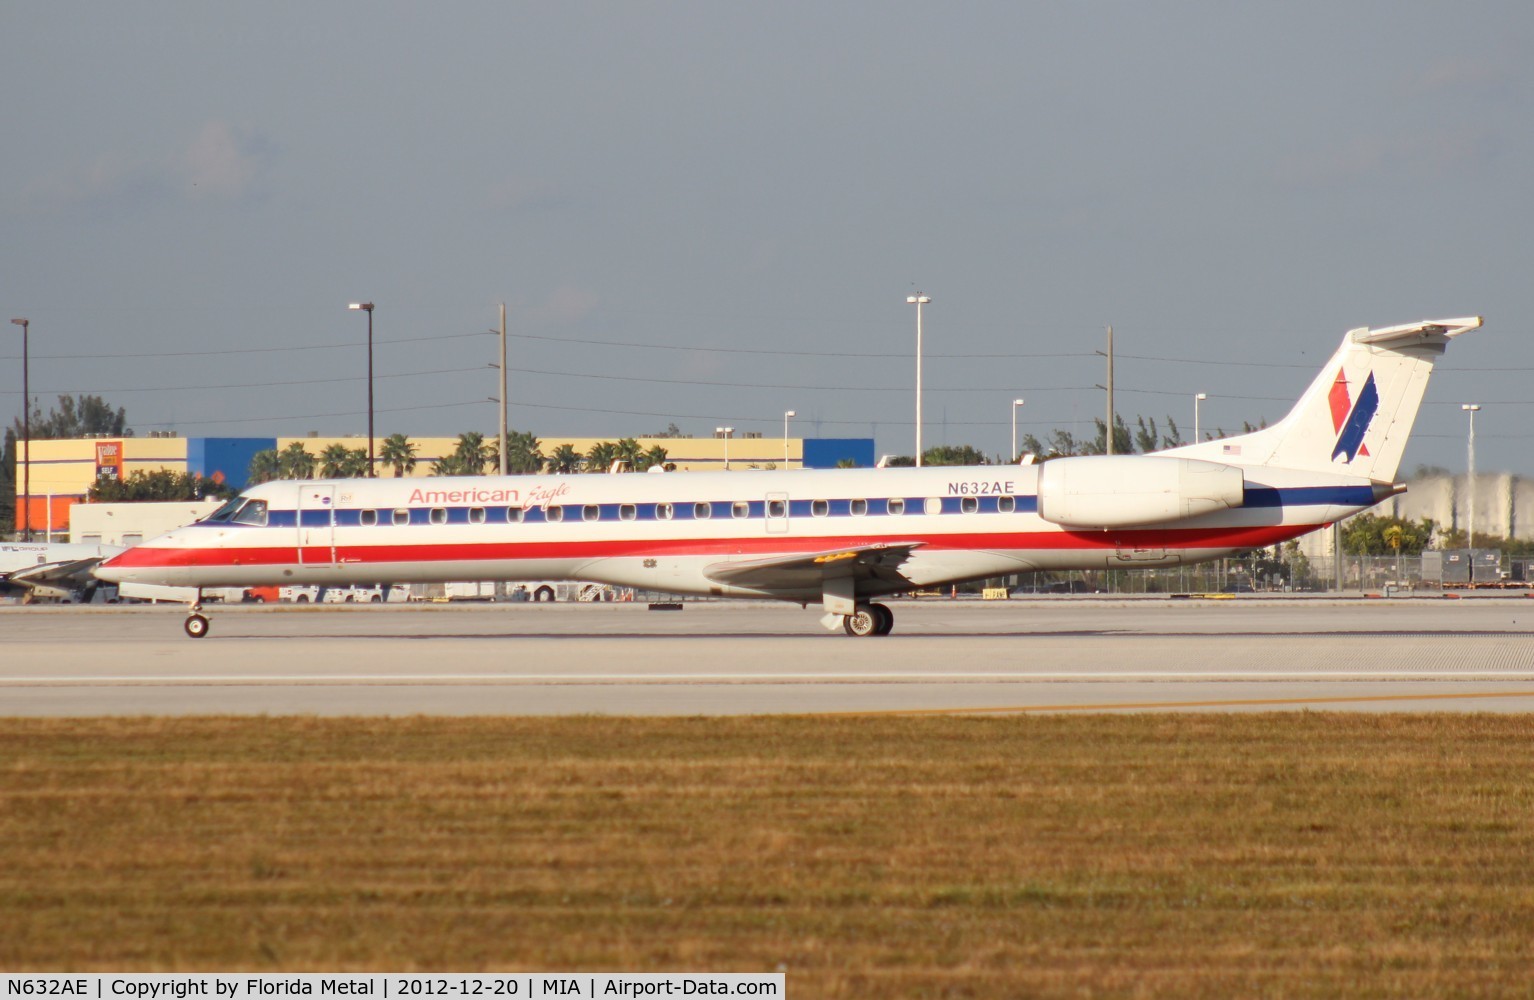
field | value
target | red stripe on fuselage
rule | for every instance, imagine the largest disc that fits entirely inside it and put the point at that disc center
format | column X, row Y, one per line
column 428, row 552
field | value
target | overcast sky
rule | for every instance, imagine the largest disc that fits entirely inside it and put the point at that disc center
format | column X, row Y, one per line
column 711, row 213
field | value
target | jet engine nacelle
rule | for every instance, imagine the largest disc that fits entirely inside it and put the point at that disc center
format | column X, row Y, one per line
column 1126, row 491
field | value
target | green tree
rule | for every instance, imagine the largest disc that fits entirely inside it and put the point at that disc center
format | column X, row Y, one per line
column 656, row 455
column 628, row 450
column 8, row 484
column 1365, row 534
column 264, row 466
column 399, row 454
column 524, row 453
column 296, row 462
column 340, row 462
column 948, row 454
column 160, row 484
column 600, row 457
column 77, row 417
column 565, row 459
column 468, row 458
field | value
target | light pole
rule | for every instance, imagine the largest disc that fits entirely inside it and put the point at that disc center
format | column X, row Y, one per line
column 1197, row 400
column 725, row 433
column 786, row 415
column 26, row 430
column 368, row 307
column 1015, row 404
column 918, row 301
column 1471, row 408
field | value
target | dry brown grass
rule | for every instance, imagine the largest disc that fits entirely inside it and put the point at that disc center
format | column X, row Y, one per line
column 1197, row 855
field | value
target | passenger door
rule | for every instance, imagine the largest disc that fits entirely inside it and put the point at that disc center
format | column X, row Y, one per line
column 316, row 524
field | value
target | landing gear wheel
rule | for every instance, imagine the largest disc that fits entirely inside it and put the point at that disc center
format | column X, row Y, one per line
column 885, row 619
column 196, row 626
column 863, row 621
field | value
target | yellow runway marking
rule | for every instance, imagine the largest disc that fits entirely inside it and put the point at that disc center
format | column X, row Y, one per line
column 1222, row 703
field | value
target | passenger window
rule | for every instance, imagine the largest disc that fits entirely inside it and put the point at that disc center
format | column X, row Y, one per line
column 554, row 513
column 591, row 512
column 368, row 518
column 858, row 508
column 663, row 511
column 627, row 512
column 401, row 515
column 439, row 515
column 932, row 505
column 777, row 508
column 476, row 515
column 969, row 504
column 740, row 509
column 895, row 505
column 1006, row 505
column 513, row 515
column 820, row 508
column 702, row 511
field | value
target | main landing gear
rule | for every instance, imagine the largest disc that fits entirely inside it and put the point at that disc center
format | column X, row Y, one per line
column 869, row 619
column 196, row 623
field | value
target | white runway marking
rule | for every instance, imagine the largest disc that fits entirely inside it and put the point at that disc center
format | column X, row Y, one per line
column 797, row 678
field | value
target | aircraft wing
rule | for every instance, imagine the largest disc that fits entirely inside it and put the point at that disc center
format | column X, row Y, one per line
column 54, row 579
column 809, row 571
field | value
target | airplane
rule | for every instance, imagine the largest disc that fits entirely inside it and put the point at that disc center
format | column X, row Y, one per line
column 837, row 538
column 51, row 569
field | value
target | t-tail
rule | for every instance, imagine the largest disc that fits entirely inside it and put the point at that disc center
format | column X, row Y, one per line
column 1357, row 415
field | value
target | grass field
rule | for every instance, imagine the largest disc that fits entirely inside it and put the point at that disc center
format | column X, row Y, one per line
column 1199, row 855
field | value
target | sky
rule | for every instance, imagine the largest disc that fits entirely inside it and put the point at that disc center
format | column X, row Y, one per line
column 708, row 214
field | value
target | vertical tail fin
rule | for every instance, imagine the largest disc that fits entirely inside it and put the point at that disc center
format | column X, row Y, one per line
column 1357, row 414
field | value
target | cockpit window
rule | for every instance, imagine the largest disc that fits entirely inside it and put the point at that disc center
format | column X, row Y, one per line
column 254, row 512
column 227, row 510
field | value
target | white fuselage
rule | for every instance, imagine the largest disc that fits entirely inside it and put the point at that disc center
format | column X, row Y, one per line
column 673, row 532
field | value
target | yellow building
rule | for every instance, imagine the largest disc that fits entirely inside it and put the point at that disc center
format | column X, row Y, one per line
column 63, row 471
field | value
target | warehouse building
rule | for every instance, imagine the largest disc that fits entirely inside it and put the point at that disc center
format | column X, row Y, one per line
column 62, row 471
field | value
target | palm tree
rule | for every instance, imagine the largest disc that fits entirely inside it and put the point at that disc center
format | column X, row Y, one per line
column 655, row 456
column 265, row 466
column 565, row 459
column 296, row 462
column 473, row 453
column 629, row 452
column 524, row 453
column 600, row 457
column 333, row 461
column 398, row 452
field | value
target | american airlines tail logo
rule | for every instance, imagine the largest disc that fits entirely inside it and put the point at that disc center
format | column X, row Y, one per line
column 1351, row 418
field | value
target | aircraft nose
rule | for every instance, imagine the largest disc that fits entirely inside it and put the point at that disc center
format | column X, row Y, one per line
column 134, row 563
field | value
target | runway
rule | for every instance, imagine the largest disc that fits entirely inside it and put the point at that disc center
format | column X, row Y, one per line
column 1039, row 655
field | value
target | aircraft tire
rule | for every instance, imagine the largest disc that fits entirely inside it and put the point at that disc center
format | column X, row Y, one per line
column 544, row 594
column 885, row 619
column 196, row 626
column 863, row 621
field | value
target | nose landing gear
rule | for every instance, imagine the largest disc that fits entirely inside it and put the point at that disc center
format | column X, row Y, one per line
column 196, row 623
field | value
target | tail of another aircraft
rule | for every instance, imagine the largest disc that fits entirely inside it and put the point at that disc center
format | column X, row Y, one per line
column 1357, row 414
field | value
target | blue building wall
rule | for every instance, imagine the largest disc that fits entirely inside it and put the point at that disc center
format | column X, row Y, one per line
column 225, row 459
column 825, row 453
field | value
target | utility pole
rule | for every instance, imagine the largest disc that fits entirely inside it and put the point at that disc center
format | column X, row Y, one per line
column 1108, row 432
column 503, row 388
